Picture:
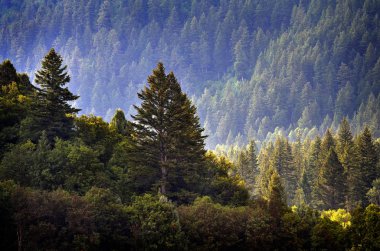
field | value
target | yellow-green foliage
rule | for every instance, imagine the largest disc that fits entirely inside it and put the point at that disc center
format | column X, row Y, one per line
column 340, row 215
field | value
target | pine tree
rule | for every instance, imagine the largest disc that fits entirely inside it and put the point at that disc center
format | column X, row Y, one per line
column 367, row 160
column 331, row 182
column 282, row 161
column 327, row 143
column 167, row 134
column 248, row 166
column 312, row 171
column 51, row 110
column 348, row 156
column 277, row 198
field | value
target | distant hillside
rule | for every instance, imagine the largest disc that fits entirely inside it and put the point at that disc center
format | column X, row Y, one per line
column 251, row 66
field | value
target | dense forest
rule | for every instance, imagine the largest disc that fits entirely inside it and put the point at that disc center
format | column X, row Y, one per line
column 78, row 182
column 189, row 125
column 254, row 68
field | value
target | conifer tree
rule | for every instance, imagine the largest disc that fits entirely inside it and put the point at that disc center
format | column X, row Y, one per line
column 331, row 182
column 367, row 160
column 282, row 161
column 248, row 166
column 15, row 92
column 312, row 171
column 277, row 198
column 348, row 156
column 167, row 134
column 51, row 110
column 326, row 144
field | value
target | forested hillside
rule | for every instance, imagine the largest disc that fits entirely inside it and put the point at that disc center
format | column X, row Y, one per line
column 70, row 182
column 252, row 67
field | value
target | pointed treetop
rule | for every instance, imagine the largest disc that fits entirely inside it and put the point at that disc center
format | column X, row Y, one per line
column 119, row 123
column 8, row 73
column 52, row 73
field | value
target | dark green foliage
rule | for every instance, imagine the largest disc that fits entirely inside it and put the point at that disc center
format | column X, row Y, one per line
column 167, row 135
column 50, row 108
column 17, row 164
column 111, row 220
column 373, row 194
column 155, row 224
column 8, row 75
column 296, row 228
column 349, row 157
column 365, row 228
column 368, row 159
column 247, row 166
column 331, row 182
column 282, row 162
column 328, row 235
column 14, row 91
column 97, row 134
column 210, row 226
column 119, row 123
column 220, row 185
column 277, row 198
column 73, row 166
column 53, row 220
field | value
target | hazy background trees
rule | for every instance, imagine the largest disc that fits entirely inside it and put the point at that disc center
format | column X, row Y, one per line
column 250, row 66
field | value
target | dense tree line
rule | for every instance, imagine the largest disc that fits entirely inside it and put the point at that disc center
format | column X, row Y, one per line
column 335, row 171
column 254, row 67
column 80, row 183
column 98, row 220
column 162, row 149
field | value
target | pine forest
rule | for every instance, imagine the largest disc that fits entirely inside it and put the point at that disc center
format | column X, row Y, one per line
column 189, row 125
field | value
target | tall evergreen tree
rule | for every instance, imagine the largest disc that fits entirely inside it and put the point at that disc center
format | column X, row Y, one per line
column 331, row 182
column 312, row 171
column 51, row 110
column 282, row 161
column 367, row 160
column 327, row 143
column 277, row 198
column 167, row 134
column 348, row 156
column 247, row 165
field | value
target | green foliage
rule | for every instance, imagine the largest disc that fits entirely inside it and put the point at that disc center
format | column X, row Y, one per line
column 277, row 199
column 15, row 90
column 223, row 187
column 17, row 164
column 368, row 159
column 155, row 224
column 111, row 220
column 44, row 220
column 331, row 182
column 247, row 166
column 97, row 134
column 71, row 165
column 167, row 135
column 374, row 193
column 210, row 226
column 328, row 235
column 50, row 108
column 119, row 124
column 365, row 228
